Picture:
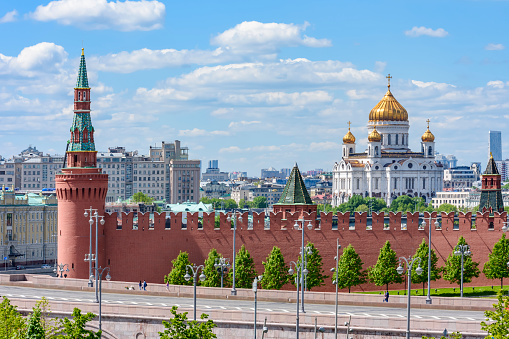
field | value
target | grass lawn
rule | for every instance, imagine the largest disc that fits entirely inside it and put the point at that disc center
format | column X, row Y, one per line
column 479, row 291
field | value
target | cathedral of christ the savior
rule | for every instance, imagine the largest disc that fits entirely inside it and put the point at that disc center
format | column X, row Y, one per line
column 387, row 168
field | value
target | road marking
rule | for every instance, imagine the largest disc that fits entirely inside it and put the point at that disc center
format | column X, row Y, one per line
column 434, row 316
column 417, row 316
column 120, row 302
column 240, row 309
column 134, row 303
column 222, row 307
column 21, row 296
column 470, row 318
column 63, row 299
column 75, row 299
column 268, row 310
column 351, row 314
column 149, row 304
column 50, row 298
column 252, row 309
column 285, row 311
column 384, row 315
column 37, row 297
column 454, row 318
column 317, row 312
column 177, row 305
column 163, row 304
column 399, row 315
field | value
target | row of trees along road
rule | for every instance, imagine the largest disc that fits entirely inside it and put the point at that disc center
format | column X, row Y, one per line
column 350, row 272
column 228, row 204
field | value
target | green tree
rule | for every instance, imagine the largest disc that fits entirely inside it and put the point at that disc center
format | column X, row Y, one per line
column 447, row 208
column 178, row 271
column 497, row 321
column 377, row 204
column 244, row 204
column 11, row 322
column 75, row 328
column 452, row 269
column 230, row 204
column 384, row 271
column 496, row 266
column 179, row 327
column 349, row 269
column 315, row 276
column 244, row 269
column 362, row 208
column 35, row 329
column 213, row 276
column 422, row 252
column 141, row 197
column 217, row 221
column 259, row 202
column 276, row 271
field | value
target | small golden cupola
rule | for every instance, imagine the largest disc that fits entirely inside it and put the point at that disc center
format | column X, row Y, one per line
column 428, row 136
column 349, row 138
column 374, row 136
column 388, row 109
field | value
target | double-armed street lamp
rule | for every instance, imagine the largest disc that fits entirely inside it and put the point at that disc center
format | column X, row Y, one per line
column 301, row 271
column 195, row 269
column 303, row 253
column 92, row 214
column 99, row 274
column 463, row 250
column 335, row 282
column 409, row 263
column 234, row 216
column 255, row 290
column 61, row 268
column 428, row 299
column 222, row 265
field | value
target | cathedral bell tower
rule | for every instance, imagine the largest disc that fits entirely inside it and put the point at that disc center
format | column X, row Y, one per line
column 491, row 191
column 348, row 143
column 80, row 185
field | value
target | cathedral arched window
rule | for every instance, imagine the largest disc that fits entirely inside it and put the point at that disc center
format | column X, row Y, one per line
column 430, row 150
column 389, row 140
column 403, row 139
column 376, row 151
column 351, row 150
column 397, row 139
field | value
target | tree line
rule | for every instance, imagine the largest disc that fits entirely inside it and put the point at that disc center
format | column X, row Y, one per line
column 350, row 271
column 229, row 204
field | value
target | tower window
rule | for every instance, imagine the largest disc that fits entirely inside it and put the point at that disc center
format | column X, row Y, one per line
column 396, row 139
column 79, row 96
column 403, row 139
column 84, row 95
column 389, row 140
column 430, row 150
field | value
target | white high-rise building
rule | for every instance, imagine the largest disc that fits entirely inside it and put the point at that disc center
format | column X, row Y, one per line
column 388, row 168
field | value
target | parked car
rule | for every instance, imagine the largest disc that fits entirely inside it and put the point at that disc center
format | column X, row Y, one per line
column 19, row 267
column 46, row 266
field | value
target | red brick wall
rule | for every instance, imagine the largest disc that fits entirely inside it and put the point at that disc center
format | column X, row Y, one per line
column 145, row 254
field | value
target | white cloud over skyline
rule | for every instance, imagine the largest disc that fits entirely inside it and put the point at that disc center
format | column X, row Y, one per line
column 420, row 31
column 494, row 47
column 9, row 17
column 102, row 14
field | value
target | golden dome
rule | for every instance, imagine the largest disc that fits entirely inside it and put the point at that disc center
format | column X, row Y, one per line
column 374, row 136
column 388, row 109
column 349, row 138
column 428, row 136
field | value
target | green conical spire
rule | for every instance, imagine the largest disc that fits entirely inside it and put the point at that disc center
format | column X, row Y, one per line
column 295, row 191
column 82, row 74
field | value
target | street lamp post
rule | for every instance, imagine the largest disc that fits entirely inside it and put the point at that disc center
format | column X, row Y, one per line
column 234, row 291
column 300, row 273
column 99, row 273
column 92, row 214
column 195, row 269
column 255, row 290
column 222, row 265
column 61, row 268
column 428, row 299
column 409, row 263
column 335, row 282
column 303, row 252
column 463, row 250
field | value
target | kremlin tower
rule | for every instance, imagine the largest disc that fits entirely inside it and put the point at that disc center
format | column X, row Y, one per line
column 80, row 185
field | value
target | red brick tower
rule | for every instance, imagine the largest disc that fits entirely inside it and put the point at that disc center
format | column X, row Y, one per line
column 80, row 185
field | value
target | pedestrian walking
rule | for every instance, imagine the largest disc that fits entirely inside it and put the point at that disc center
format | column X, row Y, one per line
column 168, row 286
column 144, row 285
column 140, row 285
column 386, row 299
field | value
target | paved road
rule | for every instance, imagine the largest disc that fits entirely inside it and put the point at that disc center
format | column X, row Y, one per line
column 240, row 305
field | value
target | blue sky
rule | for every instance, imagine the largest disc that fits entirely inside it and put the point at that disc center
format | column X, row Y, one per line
column 254, row 84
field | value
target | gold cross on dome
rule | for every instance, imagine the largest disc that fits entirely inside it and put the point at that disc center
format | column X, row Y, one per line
column 389, row 80
column 428, row 122
column 349, row 125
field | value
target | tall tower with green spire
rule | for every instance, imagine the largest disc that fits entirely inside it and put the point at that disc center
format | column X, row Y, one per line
column 491, row 190
column 80, row 185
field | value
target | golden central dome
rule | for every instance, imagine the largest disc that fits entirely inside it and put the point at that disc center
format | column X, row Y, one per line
column 428, row 136
column 388, row 109
column 374, row 136
column 349, row 138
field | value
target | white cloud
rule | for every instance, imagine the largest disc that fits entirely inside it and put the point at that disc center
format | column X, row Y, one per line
column 9, row 17
column 237, row 124
column 257, row 36
column 102, row 14
column 418, row 31
column 196, row 132
column 494, row 47
column 278, row 98
column 496, row 84
column 43, row 57
column 433, row 85
column 380, row 66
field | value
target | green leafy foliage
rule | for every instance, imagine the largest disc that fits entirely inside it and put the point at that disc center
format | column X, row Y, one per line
column 75, row 328
column 181, row 328
column 453, row 335
column 213, row 276
column 142, row 197
column 244, row 269
column 376, row 205
column 384, row 271
column 259, row 202
column 496, row 266
column 178, row 271
column 404, row 203
column 452, row 269
column 276, row 271
column 349, row 269
column 11, row 322
column 35, row 329
column 447, row 208
column 315, row 276
column 220, row 203
column 497, row 321
column 422, row 252
column 362, row 208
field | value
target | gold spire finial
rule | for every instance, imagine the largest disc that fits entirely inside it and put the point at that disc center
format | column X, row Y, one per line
column 428, row 122
column 82, row 51
column 349, row 125
column 491, row 155
column 389, row 80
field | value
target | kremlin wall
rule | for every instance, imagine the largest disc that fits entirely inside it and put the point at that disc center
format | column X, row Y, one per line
column 141, row 247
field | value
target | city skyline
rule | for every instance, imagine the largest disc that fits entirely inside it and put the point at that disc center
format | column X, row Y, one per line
column 249, row 87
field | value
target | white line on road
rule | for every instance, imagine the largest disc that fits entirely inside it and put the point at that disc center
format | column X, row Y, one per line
column 164, row 304
column 222, row 307
column 134, row 303
column 470, row 318
column 435, row 317
column 238, row 308
column 454, row 318
column 207, row 307
column 63, row 299
column 149, row 304
column 399, row 315
column 384, row 315
column 317, row 312
column 417, row 316
column 268, row 310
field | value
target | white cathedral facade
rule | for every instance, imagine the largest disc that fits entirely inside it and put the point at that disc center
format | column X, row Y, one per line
column 388, row 168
